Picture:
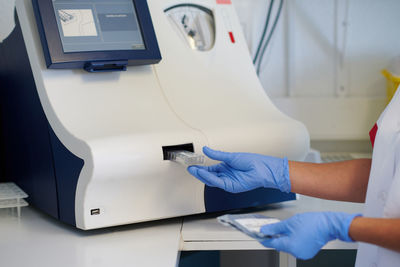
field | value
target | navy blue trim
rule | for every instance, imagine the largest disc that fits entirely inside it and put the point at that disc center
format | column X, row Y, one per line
column 34, row 157
column 219, row 200
column 57, row 59
column 27, row 149
column 67, row 168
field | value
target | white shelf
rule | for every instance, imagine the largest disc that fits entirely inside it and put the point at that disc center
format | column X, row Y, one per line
column 11, row 191
column 13, row 203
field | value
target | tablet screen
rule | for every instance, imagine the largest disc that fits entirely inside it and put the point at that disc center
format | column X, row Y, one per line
column 98, row 25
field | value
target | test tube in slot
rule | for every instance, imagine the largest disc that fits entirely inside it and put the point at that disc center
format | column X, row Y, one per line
column 185, row 157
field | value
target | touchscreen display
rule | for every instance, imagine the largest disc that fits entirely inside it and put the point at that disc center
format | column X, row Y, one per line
column 98, row 25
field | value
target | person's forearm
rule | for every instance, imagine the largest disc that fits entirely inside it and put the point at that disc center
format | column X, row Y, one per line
column 345, row 181
column 377, row 231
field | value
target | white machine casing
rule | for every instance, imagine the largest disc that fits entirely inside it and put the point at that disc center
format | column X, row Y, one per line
column 118, row 122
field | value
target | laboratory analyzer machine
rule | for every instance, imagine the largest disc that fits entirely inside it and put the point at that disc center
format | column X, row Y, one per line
column 98, row 93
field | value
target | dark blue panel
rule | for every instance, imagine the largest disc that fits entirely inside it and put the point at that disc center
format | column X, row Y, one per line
column 199, row 259
column 219, row 200
column 67, row 169
column 28, row 159
column 34, row 157
column 56, row 58
column 2, row 86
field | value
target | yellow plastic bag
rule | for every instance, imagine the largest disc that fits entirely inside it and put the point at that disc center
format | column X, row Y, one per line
column 392, row 83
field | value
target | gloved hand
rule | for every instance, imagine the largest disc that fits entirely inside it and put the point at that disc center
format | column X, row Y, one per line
column 240, row 172
column 303, row 235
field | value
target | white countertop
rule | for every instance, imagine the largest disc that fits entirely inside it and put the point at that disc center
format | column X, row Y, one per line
column 205, row 233
column 39, row 240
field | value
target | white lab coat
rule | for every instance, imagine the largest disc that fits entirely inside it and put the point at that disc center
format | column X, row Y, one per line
column 383, row 195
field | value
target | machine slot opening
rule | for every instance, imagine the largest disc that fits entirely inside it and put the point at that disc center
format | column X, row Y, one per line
column 184, row 147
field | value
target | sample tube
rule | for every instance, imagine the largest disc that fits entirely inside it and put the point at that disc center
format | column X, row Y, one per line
column 185, row 157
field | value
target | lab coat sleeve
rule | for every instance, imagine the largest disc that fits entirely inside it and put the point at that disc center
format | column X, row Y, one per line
column 392, row 206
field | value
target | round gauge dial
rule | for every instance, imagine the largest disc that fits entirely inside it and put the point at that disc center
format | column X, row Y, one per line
column 195, row 23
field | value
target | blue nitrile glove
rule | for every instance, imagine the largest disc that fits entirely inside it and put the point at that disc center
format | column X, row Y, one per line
column 240, row 172
column 303, row 235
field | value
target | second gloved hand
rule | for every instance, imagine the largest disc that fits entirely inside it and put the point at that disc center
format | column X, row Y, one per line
column 240, row 172
column 303, row 235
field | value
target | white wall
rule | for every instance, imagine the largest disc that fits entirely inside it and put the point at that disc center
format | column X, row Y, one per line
column 373, row 39
column 326, row 56
column 252, row 15
column 326, row 52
